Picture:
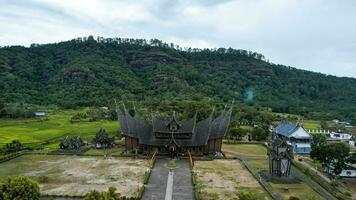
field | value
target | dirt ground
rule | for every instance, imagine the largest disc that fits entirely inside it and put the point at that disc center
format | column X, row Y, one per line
column 224, row 179
column 75, row 175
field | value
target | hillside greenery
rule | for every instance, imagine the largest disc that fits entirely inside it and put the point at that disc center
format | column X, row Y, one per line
column 160, row 77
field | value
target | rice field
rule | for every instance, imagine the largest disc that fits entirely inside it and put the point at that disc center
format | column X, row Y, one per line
column 58, row 125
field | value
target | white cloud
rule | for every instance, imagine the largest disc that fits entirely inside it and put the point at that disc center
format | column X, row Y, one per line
column 316, row 35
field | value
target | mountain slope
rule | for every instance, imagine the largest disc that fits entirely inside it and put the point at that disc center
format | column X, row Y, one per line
column 86, row 72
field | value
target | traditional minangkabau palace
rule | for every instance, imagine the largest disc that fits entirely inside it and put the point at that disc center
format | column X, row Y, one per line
column 174, row 136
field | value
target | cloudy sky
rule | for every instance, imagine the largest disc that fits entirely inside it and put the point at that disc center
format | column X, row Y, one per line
column 317, row 35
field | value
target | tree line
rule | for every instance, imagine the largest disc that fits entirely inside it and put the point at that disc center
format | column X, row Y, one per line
column 87, row 72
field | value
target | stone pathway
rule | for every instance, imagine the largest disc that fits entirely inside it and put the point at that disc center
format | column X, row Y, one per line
column 169, row 188
column 166, row 184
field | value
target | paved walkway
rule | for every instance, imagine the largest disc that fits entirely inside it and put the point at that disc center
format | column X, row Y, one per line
column 166, row 185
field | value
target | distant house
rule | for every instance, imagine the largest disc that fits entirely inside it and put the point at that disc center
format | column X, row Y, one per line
column 40, row 114
column 352, row 142
column 295, row 135
column 339, row 136
column 348, row 172
column 345, row 124
column 336, row 121
column 336, row 136
column 102, row 140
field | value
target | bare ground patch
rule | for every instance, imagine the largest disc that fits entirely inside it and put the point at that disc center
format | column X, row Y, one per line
column 75, row 176
column 224, row 179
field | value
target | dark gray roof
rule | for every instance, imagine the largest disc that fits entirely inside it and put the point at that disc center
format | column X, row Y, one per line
column 285, row 129
column 209, row 128
column 161, row 125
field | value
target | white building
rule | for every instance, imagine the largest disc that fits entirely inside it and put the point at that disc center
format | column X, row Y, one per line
column 339, row 136
column 295, row 135
column 40, row 114
column 349, row 171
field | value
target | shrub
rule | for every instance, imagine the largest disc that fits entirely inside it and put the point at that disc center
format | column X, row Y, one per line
column 246, row 196
column 13, row 146
column 334, row 183
column 293, row 198
column 93, row 195
column 347, row 193
column 110, row 194
column 19, row 188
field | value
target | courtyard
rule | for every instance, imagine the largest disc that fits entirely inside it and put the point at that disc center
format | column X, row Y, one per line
column 224, row 179
column 76, row 175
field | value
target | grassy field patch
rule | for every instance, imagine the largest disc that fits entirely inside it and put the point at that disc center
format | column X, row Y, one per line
column 245, row 149
column 224, row 179
column 101, row 152
column 300, row 191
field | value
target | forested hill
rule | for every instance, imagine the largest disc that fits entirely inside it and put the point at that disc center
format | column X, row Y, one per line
column 88, row 71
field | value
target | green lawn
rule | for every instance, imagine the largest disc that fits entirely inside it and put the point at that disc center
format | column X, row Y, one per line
column 300, row 191
column 101, row 152
column 58, row 125
column 255, row 156
column 311, row 124
column 245, row 149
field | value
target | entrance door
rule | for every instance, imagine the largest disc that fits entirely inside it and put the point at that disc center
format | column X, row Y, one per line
column 173, row 150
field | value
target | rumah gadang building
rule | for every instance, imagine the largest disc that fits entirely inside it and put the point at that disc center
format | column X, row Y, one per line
column 174, row 136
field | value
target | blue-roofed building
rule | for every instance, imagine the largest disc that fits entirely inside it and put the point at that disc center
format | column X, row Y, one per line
column 295, row 135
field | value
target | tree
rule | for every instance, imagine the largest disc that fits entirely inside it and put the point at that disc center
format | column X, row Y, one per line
column 336, row 156
column 323, row 124
column 259, row 134
column 332, row 156
column 237, row 133
column 317, row 145
column 19, row 188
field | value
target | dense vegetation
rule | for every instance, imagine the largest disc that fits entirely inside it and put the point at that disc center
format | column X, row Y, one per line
column 333, row 156
column 24, row 188
column 92, row 72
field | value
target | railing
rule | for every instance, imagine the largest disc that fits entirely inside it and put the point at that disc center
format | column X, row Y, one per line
column 264, row 183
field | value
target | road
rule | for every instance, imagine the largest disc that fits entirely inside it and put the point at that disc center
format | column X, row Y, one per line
column 166, row 184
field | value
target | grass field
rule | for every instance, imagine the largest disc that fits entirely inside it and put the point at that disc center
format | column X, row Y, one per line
column 300, row 191
column 101, row 152
column 76, row 175
column 255, row 156
column 245, row 149
column 224, row 179
column 58, row 125
column 311, row 124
